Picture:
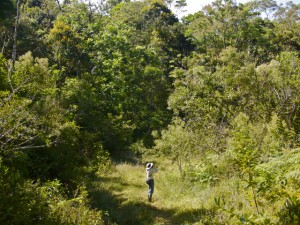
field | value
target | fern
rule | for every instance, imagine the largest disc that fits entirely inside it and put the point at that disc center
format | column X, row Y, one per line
column 286, row 163
column 294, row 174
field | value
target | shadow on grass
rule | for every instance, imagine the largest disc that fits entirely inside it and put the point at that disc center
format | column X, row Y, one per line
column 122, row 211
column 125, row 211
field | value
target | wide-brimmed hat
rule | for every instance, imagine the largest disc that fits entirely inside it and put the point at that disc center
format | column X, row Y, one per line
column 149, row 165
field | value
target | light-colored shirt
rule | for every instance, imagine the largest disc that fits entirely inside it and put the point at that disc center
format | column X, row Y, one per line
column 149, row 173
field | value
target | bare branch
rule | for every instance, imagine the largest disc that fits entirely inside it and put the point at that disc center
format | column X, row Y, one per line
column 14, row 91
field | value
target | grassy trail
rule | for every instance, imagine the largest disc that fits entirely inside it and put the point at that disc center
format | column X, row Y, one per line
column 123, row 194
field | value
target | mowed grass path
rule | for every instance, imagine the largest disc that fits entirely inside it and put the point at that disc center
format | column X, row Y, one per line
column 122, row 193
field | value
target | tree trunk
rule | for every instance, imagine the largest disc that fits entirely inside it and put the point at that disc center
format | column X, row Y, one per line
column 57, row 1
column 14, row 51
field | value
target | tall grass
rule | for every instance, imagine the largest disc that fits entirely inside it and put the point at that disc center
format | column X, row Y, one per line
column 122, row 192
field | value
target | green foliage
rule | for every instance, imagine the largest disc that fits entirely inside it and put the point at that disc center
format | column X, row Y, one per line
column 33, row 77
column 287, row 39
column 4, row 85
column 70, row 211
column 243, row 146
column 127, row 79
column 279, row 181
column 205, row 173
column 6, row 7
column 290, row 211
column 35, row 203
column 174, row 145
column 155, row 26
column 102, row 162
column 217, row 93
column 26, row 121
column 64, row 41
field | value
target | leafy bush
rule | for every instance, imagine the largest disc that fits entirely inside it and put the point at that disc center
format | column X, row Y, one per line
column 27, row 202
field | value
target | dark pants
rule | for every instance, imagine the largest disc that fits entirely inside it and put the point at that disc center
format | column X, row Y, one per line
column 150, row 187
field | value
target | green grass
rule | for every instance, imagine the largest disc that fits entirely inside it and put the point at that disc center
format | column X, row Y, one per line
column 122, row 193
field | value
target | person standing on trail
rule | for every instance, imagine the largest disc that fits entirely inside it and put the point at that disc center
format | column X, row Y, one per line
column 150, row 169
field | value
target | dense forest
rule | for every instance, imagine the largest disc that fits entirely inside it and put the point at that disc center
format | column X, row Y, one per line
column 92, row 89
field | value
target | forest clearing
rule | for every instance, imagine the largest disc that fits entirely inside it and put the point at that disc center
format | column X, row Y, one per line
column 124, row 196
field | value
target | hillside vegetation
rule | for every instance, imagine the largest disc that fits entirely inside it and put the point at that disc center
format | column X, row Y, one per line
column 90, row 92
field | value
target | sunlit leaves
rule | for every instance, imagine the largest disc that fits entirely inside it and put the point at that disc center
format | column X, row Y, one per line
column 33, row 76
column 30, row 115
